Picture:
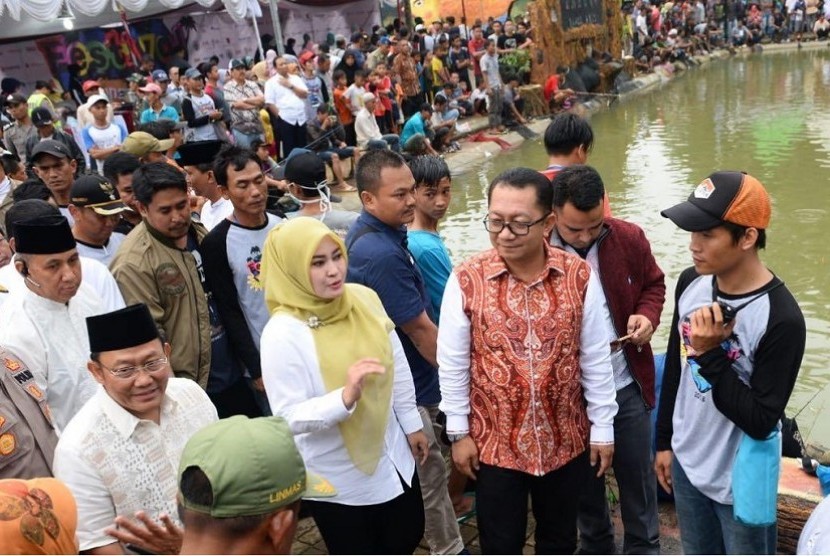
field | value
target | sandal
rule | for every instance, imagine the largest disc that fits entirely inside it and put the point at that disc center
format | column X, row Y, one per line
column 344, row 188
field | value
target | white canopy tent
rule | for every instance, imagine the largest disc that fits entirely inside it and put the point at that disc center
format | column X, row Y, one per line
column 30, row 18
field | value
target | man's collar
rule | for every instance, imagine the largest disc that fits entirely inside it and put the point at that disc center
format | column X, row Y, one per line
column 495, row 266
column 166, row 241
column 124, row 421
column 381, row 226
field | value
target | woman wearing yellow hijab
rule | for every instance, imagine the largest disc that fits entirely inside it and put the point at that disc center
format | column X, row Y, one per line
column 334, row 368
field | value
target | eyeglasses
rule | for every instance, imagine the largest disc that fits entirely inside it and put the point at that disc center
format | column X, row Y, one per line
column 154, row 366
column 495, row 226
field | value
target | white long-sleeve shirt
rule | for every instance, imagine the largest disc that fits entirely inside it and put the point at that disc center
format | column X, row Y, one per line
column 51, row 339
column 366, row 128
column 597, row 378
column 296, row 392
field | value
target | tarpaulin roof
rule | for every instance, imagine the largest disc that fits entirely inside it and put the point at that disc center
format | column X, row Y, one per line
column 28, row 18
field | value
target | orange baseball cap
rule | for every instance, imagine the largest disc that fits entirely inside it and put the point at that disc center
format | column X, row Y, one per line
column 734, row 197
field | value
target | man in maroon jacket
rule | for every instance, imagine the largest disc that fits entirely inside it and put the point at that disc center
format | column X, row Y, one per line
column 635, row 290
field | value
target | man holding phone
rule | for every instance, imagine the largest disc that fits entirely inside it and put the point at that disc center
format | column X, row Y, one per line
column 634, row 291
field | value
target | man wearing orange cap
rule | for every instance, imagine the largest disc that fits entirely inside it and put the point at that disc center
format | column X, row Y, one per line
column 735, row 347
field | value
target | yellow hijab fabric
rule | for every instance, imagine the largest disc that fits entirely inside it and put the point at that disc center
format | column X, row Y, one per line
column 345, row 329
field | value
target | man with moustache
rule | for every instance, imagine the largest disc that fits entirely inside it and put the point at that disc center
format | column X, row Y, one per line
column 120, row 453
column 232, row 253
column 160, row 265
column 54, row 164
column 527, row 386
column 118, row 169
column 379, row 259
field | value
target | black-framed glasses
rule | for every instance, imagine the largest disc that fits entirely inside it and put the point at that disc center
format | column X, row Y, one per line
column 154, row 366
column 495, row 226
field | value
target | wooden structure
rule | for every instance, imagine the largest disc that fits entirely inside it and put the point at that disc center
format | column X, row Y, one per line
column 798, row 495
column 566, row 31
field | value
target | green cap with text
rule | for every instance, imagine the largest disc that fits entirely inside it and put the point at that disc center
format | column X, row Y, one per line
column 253, row 467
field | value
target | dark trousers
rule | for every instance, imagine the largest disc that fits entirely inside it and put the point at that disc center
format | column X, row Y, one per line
column 292, row 136
column 501, row 507
column 412, row 104
column 634, row 471
column 351, row 134
column 239, row 399
column 394, row 527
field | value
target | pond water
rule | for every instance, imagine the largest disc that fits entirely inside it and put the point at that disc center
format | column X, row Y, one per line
column 764, row 114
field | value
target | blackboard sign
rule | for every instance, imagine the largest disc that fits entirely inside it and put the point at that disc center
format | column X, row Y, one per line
column 576, row 13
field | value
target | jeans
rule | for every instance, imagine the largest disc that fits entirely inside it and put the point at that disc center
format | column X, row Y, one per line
column 451, row 114
column 634, row 471
column 391, row 141
column 441, row 530
column 708, row 527
column 342, row 152
column 501, row 507
column 244, row 139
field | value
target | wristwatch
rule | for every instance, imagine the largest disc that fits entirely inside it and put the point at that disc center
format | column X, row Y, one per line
column 455, row 437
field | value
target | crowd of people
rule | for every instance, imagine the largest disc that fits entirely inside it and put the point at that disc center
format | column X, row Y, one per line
column 659, row 32
column 186, row 359
column 142, row 376
column 336, row 99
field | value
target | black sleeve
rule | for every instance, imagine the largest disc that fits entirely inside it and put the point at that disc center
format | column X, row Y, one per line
column 219, row 278
column 324, row 91
column 76, row 153
column 672, row 370
column 758, row 407
column 190, row 115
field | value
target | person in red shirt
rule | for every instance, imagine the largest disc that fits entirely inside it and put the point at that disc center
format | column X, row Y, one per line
column 477, row 46
column 568, row 140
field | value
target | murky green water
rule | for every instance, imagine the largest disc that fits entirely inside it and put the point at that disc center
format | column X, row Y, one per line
column 767, row 115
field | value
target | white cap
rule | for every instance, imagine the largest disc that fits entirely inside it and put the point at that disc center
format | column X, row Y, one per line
column 368, row 97
column 419, row 27
column 96, row 98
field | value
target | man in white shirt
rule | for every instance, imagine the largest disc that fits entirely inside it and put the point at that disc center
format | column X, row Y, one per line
column 120, row 454
column 96, row 277
column 96, row 209
column 367, row 130
column 526, row 383
column 197, row 160
column 43, row 323
column 284, row 94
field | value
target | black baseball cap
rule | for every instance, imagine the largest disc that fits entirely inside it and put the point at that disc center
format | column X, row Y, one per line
column 15, row 99
column 198, row 152
column 52, row 147
column 237, row 63
column 97, row 193
column 306, row 170
column 41, row 116
column 734, row 197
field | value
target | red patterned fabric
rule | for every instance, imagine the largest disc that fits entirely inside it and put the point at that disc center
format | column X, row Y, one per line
column 527, row 408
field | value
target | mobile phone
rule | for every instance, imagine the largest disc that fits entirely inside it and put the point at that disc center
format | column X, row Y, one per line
column 620, row 342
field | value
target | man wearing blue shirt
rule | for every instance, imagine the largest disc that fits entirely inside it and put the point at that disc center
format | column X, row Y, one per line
column 414, row 135
column 379, row 259
column 157, row 109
